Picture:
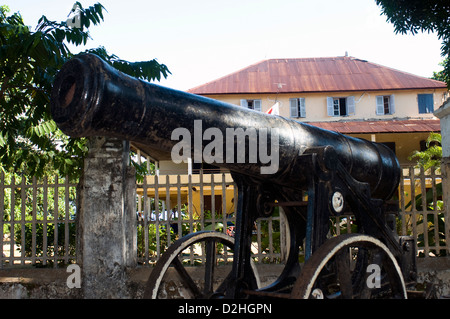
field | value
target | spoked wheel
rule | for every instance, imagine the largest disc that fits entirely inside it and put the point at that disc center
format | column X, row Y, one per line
column 210, row 250
column 351, row 266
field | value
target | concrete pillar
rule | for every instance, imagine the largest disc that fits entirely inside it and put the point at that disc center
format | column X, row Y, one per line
column 106, row 220
column 443, row 113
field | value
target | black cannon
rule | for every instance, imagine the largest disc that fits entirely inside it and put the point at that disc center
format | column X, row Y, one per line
column 314, row 174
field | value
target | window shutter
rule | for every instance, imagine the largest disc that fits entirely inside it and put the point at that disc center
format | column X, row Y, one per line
column 380, row 105
column 330, row 109
column 350, row 105
column 257, row 105
column 293, row 107
column 421, row 102
column 244, row 103
column 426, row 104
column 301, row 102
column 430, row 103
column 392, row 104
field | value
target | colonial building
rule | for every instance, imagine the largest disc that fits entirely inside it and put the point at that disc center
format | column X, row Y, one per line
column 344, row 94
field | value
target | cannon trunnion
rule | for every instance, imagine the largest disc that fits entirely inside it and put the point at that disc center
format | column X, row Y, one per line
column 314, row 174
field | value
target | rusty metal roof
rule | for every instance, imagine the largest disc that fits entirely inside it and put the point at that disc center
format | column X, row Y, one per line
column 389, row 126
column 336, row 74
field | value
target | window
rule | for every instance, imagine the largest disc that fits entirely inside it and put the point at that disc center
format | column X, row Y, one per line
column 426, row 103
column 252, row 104
column 297, row 107
column 207, row 202
column 385, row 104
column 340, row 106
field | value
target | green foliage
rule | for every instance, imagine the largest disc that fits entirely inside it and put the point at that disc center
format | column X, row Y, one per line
column 435, row 234
column 146, row 70
column 435, row 222
column 208, row 225
column 443, row 75
column 270, row 236
column 414, row 16
column 38, row 244
column 429, row 158
column 432, row 156
column 30, row 207
column 143, row 168
column 419, row 201
column 30, row 142
column 164, row 231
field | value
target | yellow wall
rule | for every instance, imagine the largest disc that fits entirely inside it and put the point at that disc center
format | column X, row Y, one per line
column 406, row 104
column 196, row 190
column 406, row 107
column 405, row 143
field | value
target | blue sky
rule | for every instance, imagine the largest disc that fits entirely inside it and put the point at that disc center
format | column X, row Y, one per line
column 201, row 40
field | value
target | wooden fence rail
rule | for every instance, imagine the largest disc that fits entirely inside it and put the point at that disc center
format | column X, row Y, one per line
column 37, row 217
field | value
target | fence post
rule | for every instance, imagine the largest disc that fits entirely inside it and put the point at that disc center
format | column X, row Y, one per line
column 106, row 219
column 443, row 113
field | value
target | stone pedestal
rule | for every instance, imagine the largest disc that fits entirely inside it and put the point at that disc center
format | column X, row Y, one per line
column 106, row 220
column 443, row 113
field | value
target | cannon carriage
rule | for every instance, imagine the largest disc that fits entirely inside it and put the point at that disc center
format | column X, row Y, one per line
column 314, row 175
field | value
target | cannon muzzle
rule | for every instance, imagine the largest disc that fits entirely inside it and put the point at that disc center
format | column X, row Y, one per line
column 90, row 98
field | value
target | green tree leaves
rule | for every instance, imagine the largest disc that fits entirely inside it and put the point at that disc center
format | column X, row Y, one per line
column 146, row 70
column 432, row 155
column 415, row 16
column 30, row 142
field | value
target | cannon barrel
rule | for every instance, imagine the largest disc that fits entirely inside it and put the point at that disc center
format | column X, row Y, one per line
column 90, row 98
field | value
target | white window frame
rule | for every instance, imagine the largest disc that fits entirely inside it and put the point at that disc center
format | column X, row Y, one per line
column 297, row 107
column 252, row 104
column 381, row 107
column 333, row 102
